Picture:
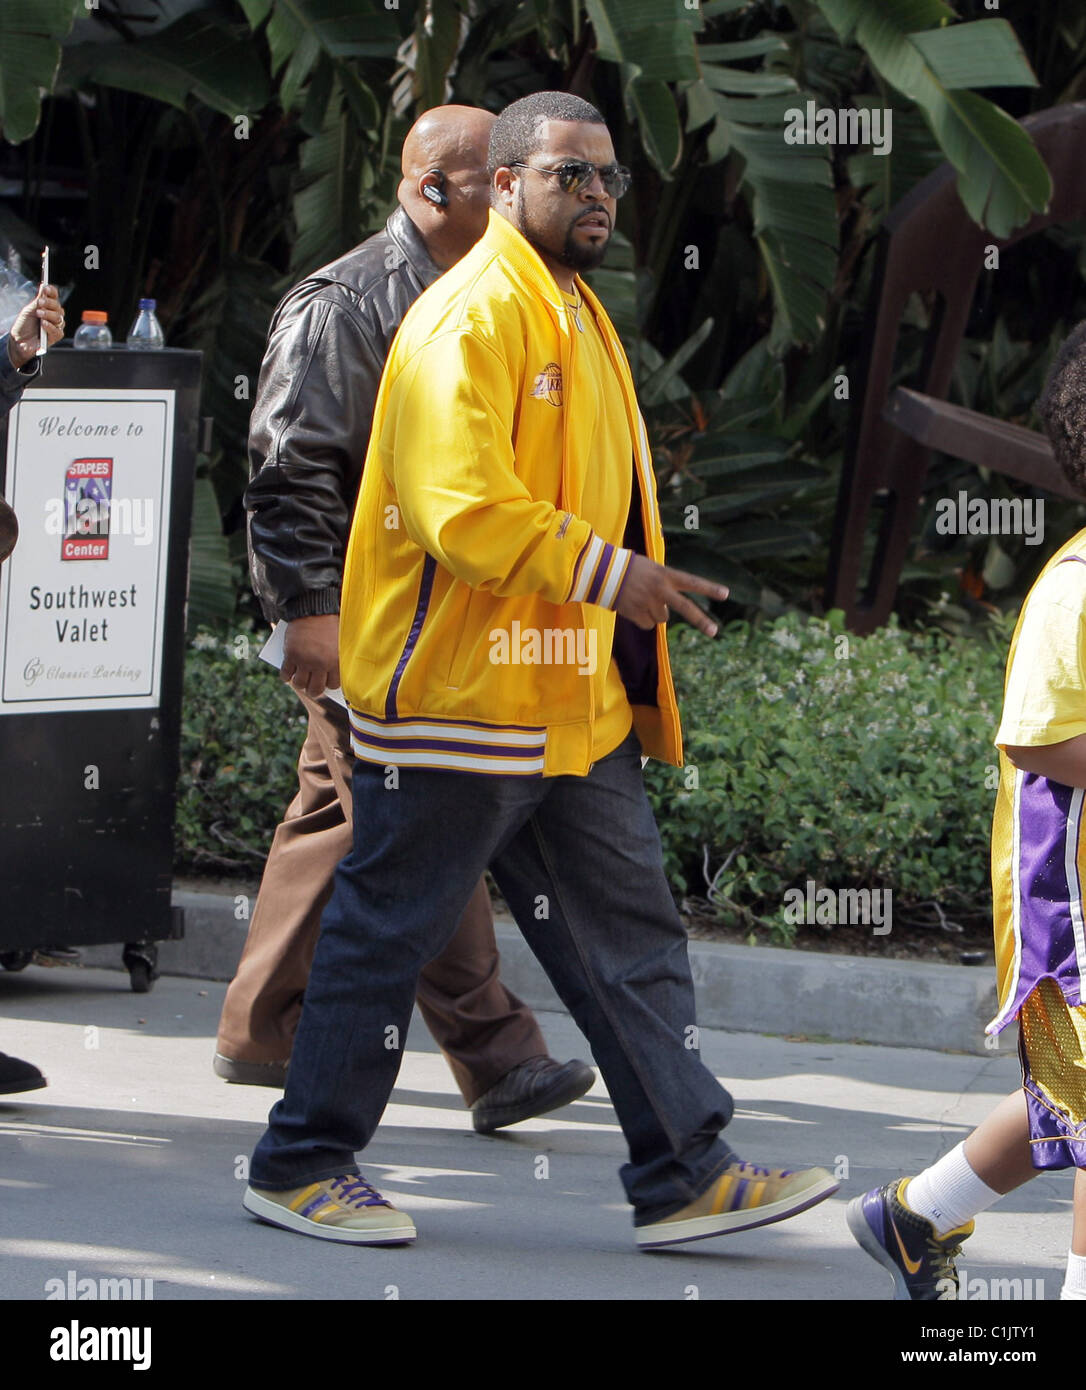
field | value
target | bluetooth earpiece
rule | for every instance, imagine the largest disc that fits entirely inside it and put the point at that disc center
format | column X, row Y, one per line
column 436, row 195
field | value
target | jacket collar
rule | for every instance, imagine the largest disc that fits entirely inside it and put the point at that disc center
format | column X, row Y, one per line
column 408, row 239
column 501, row 236
column 504, row 239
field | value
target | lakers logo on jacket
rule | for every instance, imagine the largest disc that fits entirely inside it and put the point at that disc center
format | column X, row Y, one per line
column 548, row 384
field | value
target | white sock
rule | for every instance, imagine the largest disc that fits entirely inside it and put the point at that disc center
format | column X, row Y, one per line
column 1074, row 1284
column 949, row 1193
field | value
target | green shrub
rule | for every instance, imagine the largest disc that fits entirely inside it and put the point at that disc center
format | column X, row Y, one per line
column 241, row 730
column 855, row 762
column 813, row 754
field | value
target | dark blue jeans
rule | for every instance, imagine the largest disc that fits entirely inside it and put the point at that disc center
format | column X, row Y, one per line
column 578, row 860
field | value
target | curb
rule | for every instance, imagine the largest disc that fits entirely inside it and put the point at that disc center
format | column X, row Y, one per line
column 746, row 989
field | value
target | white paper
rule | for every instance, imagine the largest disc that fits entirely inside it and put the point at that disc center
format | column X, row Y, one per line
column 274, row 652
column 43, row 341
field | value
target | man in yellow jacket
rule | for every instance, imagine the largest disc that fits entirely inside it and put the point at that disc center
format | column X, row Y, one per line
column 503, row 649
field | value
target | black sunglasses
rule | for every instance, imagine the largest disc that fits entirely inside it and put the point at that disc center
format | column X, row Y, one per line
column 576, row 174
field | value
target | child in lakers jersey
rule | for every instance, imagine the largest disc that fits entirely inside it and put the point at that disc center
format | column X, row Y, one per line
column 914, row 1226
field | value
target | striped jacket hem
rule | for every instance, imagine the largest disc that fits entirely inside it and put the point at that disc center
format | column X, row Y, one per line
column 457, row 745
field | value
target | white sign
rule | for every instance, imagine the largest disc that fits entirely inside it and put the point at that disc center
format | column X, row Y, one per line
column 83, row 595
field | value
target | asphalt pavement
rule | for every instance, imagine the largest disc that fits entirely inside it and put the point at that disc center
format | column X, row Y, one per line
column 130, row 1164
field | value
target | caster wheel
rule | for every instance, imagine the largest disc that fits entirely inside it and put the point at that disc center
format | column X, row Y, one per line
column 16, row 960
column 140, row 977
column 141, row 959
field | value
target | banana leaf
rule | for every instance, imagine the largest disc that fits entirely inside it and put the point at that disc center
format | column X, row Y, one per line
column 30, row 37
column 196, row 56
column 915, row 47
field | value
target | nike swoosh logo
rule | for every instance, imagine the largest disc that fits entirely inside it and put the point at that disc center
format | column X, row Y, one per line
column 912, row 1266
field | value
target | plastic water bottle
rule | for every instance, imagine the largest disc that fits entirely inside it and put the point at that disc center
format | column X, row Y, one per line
column 93, row 332
column 146, row 331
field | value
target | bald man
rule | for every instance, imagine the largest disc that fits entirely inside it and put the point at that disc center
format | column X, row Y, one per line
column 308, row 436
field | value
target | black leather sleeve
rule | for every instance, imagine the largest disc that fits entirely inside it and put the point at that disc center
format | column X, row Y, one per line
column 308, row 436
column 14, row 379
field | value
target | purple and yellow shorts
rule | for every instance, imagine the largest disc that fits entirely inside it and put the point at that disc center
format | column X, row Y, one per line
column 1052, row 1046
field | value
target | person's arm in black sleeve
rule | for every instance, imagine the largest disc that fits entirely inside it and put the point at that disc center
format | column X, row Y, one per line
column 19, row 364
column 308, row 437
column 13, row 379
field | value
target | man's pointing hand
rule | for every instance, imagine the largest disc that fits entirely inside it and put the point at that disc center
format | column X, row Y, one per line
column 650, row 591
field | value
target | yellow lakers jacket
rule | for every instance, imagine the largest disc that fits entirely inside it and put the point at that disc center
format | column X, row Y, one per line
column 469, row 550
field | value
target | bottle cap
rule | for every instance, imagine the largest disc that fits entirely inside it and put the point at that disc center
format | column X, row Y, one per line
column 95, row 316
column 148, row 304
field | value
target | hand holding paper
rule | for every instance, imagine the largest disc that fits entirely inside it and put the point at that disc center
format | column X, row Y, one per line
column 42, row 318
column 274, row 652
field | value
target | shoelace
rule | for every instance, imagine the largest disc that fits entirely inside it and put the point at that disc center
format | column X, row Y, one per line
column 943, row 1257
column 357, row 1192
column 759, row 1172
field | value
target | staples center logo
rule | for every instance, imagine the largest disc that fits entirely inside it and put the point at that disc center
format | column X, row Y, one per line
column 548, row 384
column 88, row 489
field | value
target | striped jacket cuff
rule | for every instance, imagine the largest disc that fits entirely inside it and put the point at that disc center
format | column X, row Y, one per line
column 599, row 572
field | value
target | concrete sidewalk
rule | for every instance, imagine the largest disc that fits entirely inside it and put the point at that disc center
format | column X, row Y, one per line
column 758, row 989
column 129, row 1165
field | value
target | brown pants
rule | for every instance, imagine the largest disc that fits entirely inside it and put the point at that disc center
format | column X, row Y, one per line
column 483, row 1030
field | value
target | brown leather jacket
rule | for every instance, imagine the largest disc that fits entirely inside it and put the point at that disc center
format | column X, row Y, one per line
column 310, row 425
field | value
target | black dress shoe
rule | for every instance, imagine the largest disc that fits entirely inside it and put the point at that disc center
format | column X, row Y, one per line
column 251, row 1073
column 534, row 1088
column 16, row 1075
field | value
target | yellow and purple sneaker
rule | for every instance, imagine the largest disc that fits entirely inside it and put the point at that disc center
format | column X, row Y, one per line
column 744, row 1196
column 920, row 1260
column 347, row 1209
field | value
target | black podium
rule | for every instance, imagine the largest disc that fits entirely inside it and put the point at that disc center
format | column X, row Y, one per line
column 98, row 462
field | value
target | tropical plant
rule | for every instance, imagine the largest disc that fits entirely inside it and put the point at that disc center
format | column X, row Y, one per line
column 248, row 141
column 30, row 38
